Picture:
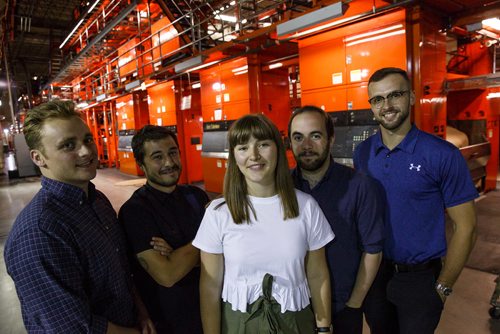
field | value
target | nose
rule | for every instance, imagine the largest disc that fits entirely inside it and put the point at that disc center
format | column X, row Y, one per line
column 87, row 149
column 306, row 142
column 168, row 161
column 255, row 155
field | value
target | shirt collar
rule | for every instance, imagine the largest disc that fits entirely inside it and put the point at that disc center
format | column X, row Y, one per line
column 159, row 193
column 297, row 175
column 67, row 191
column 407, row 144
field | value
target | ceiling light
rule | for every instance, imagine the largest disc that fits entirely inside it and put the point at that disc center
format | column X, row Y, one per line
column 196, row 85
column 276, row 65
column 71, row 33
column 374, row 38
column 493, row 23
column 310, row 19
column 93, row 6
column 227, row 18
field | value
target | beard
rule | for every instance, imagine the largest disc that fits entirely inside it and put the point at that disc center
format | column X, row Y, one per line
column 314, row 164
column 399, row 118
column 170, row 180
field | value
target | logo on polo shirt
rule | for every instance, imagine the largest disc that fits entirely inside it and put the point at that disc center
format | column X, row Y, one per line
column 412, row 166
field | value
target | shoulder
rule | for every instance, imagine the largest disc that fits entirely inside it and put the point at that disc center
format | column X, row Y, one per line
column 198, row 192
column 218, row 204
column 137, row 200
column 306, row 201
column 38, row 223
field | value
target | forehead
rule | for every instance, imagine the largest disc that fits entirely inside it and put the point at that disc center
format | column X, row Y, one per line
column 308, row 122
column 388, row 84
column 61, row 128
column 164, row 144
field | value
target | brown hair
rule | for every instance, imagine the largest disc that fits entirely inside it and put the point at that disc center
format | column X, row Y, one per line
column 36, row 118
column 235, row 186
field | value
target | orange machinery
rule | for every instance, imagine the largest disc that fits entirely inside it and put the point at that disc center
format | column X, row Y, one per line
column 132, row 114
column 101, row 120
column 176, row 105
column 335, row 67
column 471, row 108
column 228, row 91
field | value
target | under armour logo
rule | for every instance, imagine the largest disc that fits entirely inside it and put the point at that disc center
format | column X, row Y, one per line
column 415, row 167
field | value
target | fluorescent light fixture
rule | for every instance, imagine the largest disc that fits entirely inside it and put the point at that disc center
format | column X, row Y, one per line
column 203, row 66
column 310, row 19
column 82, row 105
column 238, row 69
column 196, row 85
column 190, row 63
column 71, row 33
column 375, row 32
column 493, row 23
column 101, row 97
column 133, row 84
column 241, row 72
column 325, row 26
column 394, row 33
column 93, row 6
column 227, row 18
column 275, row 65
column 492, row 95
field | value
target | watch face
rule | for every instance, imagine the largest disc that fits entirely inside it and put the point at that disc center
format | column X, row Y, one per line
column 446, row 291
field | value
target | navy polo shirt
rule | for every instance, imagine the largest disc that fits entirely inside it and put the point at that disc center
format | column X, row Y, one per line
column 350, row 202
column 422, row 176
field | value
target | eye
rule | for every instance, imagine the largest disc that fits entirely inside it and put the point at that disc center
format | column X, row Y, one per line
column 173, row 153
column 376, row 100
column 241, row 148
column 316, row 136
column 68, row 146
column 89, row 140
column 297, row 138
column 395, row 95
column 157, row 157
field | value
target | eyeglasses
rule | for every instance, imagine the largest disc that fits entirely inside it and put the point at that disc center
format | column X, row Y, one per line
column 393, row 97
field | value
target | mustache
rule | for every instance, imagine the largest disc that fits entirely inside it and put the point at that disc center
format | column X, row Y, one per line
column 167, row 170
column 307, row 153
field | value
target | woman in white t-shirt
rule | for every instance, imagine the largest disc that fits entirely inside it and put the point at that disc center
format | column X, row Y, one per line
column 262, row 245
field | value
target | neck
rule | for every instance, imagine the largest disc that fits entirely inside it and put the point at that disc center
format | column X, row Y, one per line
column 161, row 188
column 258, row 190
column 392, row 138
column 313, row 177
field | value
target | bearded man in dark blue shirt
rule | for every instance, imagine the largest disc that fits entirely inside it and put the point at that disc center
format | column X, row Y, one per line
column 168, row 283
column 66, row 251
column 354, row 210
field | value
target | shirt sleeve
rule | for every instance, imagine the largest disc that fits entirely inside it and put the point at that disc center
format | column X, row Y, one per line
column 370, row 215
column 456, row 183
column 320, row 232
column 50, row 284
column 139, row 226
column 209, row 236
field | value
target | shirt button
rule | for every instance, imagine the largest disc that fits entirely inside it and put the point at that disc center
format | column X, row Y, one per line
column 388, row 156
column 81, row 202
column 106, row 227
column 117, row 250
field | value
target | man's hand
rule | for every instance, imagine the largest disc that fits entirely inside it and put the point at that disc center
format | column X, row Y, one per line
column 160, row 245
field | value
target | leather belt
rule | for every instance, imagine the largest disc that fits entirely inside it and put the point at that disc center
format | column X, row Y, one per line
column 408, row 268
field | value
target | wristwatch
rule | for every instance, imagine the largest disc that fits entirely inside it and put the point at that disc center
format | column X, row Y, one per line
column 443, row 289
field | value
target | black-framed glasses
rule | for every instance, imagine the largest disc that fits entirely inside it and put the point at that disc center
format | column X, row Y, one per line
column 392, row 97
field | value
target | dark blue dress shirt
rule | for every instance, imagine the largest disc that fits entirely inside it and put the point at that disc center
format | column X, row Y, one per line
column 355, row 211
column 66, row 255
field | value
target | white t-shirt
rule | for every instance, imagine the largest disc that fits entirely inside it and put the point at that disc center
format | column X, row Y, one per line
column 267, row 244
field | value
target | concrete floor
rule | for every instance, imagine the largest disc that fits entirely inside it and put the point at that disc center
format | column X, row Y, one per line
column 466, row 311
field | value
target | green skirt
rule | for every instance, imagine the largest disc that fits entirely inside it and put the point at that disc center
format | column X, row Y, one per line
column 264, row 316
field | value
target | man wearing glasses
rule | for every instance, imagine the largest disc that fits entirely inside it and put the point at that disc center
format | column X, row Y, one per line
column 423, row 176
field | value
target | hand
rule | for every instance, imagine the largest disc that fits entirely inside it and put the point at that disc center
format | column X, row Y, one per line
column 160, row 245
column 147, row 326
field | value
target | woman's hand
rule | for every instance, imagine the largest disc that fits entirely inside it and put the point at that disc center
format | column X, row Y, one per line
column 160, row 245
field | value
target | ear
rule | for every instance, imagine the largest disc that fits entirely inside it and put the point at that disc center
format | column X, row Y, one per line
column 330, row 142
column 38, row 158
column 412, row 98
